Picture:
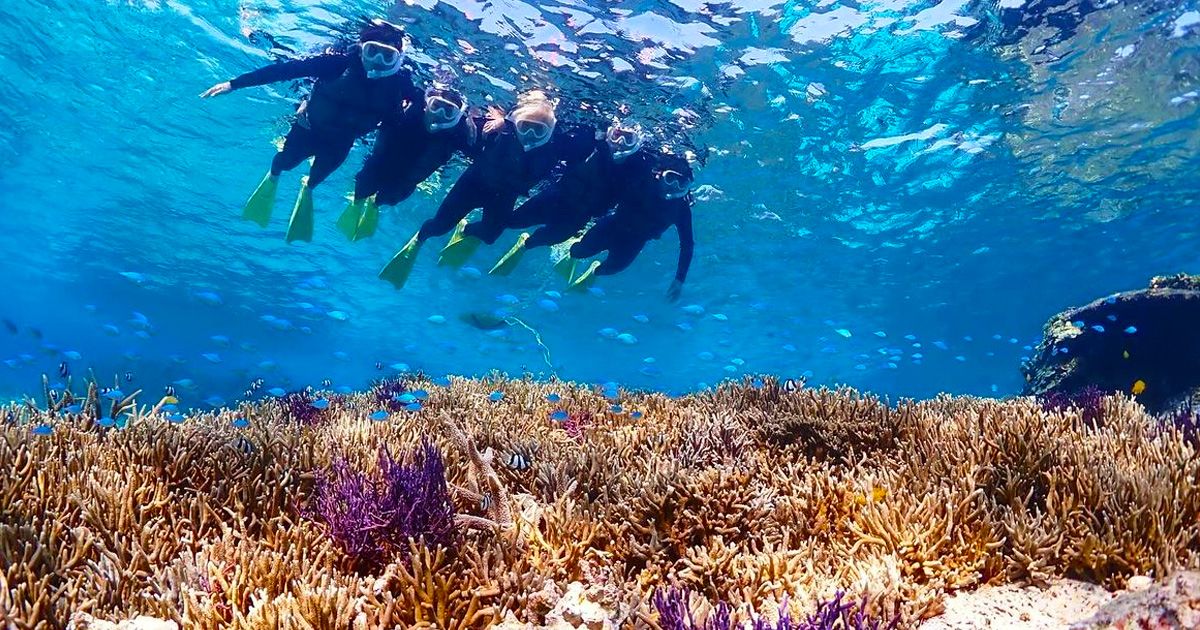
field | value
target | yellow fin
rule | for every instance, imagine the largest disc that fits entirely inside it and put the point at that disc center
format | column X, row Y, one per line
column 1139, row 386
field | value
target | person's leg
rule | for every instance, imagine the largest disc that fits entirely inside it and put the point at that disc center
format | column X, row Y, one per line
column 497, row 212
column 459, row 202
column 621, row 255
column 330, row 154
column 538, row 209
column 600, row 237
column 299, row 145
column 554, row 233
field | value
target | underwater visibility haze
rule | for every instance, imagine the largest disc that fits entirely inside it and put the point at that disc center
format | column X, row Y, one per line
column 890, row 194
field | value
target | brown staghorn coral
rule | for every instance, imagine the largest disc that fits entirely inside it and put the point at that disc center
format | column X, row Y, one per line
column 750, row 496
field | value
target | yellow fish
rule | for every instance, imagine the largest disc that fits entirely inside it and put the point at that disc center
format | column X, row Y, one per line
column 1139, row 386
column 1125, row 354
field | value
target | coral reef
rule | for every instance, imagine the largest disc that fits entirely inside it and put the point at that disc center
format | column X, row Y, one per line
column 1144, row 342
column 768, row 503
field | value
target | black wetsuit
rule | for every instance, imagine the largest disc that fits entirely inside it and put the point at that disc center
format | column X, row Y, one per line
column 406, row 153
column 641, row 217
column 584, row 192
column 500, row 173
column 344, row 105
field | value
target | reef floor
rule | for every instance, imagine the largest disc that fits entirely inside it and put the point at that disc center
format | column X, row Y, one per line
column 476, row 503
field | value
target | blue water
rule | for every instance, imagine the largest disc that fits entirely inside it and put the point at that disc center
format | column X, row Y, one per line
column 953, row 172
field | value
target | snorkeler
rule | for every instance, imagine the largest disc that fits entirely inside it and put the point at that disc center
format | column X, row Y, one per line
column 355, row 90
column 517, row 151
column 583, row 193
column 407, row 151
column 642, row 216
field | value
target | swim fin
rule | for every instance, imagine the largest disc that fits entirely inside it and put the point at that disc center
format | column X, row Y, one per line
column 368, row 221
column 348, row 223
column 585, row 279
column 509, row 261
column 565, row 264
column 459, row 248
column 565, row 267
column 401, row 265
column 300, row 227
column 262, row 201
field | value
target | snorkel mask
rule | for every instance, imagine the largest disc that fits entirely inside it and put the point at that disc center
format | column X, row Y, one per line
column 444, row 108
column 380, row 60
column 623, row 140
column 532, row 132
column 674, row 180
column 533, row 119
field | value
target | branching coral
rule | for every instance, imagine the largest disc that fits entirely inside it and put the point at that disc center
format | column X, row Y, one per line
column 756, row 497
column 372, row 519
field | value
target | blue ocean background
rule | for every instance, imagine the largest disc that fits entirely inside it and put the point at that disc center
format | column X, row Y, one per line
column 895, row 194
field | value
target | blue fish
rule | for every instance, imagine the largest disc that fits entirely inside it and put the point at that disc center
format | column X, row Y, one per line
column 106, row 422
column 787, row 347
column 684, row 326
column 442, row 381
column 1130, row 330
column 175, row 418
column 693, row 309
column 1112, row 299
column 914, row 337
column 74, row 408
column 240, row 423
column 1097, row 328
column 115, row 394
column 548, row 305
column 559, row 415
column 42, row 429
column 880, row 334
column 170, row 407
column 941, row 345
column 843, row 332
column 615, row 409
column 379, row 415
column 637, row 415
column 641, row 319
column 553, row 398
column 721, row 317
column 276, row 391
column 1111, row 318
column 320, row 403
column 496, row 396
column 555, row 295
column 413, row 406
column 757, row 383
column 405, row 398
column 344, row 389
column 420, row 394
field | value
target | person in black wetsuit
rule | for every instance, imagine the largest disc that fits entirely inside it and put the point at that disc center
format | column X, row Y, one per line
column 407, row 151
column 355, row 90
column 582, row 193
column 516, row 152
column 642, row 216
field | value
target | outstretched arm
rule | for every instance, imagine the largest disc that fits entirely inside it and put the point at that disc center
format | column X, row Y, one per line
column 331, row 64
column 686, row 244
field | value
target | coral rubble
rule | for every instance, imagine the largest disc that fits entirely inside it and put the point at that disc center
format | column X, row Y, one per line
column 762, row 504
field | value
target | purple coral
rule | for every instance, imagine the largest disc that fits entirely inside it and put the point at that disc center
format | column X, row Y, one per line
column 1089, row 401
column 675, row 613
column 386, row 392
column 576, row 424
column 372, row 519
column 1187, row 421
column 298, row 407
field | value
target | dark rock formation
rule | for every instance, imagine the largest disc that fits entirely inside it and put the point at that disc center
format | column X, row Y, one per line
column 1095, row 345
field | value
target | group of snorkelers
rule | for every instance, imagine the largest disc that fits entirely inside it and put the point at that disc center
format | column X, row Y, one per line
column 629, row 193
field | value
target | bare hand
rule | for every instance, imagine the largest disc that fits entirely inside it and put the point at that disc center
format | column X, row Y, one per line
column 674, row 292
column 495, row 120
column 217, row 90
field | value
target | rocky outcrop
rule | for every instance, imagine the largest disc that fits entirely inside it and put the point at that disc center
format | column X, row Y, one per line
column 1150, row 335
